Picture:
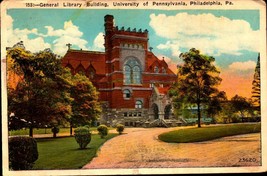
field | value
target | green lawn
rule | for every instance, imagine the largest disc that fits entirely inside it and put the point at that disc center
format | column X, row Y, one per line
column 208, row 133
column 37, row 131
column 64, row 153
column 46, row 131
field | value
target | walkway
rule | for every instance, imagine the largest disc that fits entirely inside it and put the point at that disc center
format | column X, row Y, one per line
column 140, row 148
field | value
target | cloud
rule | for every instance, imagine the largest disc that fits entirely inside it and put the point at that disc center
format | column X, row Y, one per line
column 99, row 42
column 15, row 35
column 206, row 32
column 237, row 78
column 171, row 45
column 35, row 41
column 69, row 34
column 248, row 65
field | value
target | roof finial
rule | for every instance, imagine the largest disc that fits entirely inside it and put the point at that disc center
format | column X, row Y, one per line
column 150, row 48
column 69, row 45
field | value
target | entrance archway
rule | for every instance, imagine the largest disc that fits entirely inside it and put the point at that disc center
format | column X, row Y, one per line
column 155, row 110
column 167, row 111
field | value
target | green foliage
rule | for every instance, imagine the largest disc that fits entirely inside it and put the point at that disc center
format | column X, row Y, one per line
column 256, row 89
column 119, row 128
column 241, row 105
column 85, row 106
column 102, row 130
column 208, row 133
column 55, row 130
column 60, row 153
column 197, row 80
column 82, row 136
column 22, row 152
column 41, row 97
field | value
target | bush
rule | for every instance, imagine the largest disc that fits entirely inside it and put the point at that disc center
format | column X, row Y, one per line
column 120, row 128
column 55, row 130
column 23, row 152
column 102, row 130
column 82, row 136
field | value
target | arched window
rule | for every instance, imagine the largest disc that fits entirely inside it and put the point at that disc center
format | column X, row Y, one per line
column 126, row 94
column 132, row 72
column 156, row 69
column 138, row 104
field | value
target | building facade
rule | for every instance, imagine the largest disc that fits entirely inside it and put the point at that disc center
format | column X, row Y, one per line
column 132, row 82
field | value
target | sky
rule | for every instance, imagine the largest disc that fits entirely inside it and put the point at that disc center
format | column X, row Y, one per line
column 231, row 36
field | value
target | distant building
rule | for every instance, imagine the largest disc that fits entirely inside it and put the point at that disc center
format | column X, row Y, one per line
column 131, row 80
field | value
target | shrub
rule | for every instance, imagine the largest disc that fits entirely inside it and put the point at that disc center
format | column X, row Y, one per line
column 55, row 130
column 102, row 130
column 82, row 136
column 120, row 128
column 23, row 152
column 86, row 126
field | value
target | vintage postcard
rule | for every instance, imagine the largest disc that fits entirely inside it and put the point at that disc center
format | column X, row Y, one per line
column 133, row 87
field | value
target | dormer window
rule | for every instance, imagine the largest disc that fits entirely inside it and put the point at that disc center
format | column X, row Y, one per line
column 156, row 69
column 163, row 70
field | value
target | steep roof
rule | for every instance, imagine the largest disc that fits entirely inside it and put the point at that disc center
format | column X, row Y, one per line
column 153, row 60
column 86, row 59
column 163, row 90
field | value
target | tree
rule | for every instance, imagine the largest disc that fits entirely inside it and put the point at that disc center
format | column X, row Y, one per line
column 215, row 104
column 85, row 107
column 256, row 90
column 241, row 105
column 41, row 97
column 197, row 80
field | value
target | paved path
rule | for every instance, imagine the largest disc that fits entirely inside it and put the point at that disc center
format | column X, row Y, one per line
column 140, row 148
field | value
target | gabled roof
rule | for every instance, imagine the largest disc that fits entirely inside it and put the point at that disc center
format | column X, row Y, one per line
column 86, row 59
column 153, row 60
column 163, row 90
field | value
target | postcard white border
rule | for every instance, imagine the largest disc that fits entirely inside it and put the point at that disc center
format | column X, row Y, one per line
column 238, row 4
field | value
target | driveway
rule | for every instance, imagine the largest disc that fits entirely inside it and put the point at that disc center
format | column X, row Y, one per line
column 140, row 148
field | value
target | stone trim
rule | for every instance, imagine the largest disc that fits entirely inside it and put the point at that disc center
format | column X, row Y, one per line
column 129, row 37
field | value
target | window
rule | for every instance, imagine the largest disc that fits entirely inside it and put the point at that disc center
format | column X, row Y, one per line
column 156, row 69
column 163, row 70
column 126, row 94
column 91, row 75
column 132, row 72
column 138, row 104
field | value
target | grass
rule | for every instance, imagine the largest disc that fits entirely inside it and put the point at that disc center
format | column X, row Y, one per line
column 37, row 131
column 208, row 133
column 46, row 131
column 64, row 153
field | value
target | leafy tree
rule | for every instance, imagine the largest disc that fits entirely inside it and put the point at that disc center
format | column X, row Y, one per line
column 85, row 106
column 256, row 96
column 215, row 104
column 197, row 80
column 41, row 97
column 241, row 105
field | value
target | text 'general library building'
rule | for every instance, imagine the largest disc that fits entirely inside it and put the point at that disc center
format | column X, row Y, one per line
column 132, row 82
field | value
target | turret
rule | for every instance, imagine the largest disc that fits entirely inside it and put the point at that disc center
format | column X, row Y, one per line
column 109, row 24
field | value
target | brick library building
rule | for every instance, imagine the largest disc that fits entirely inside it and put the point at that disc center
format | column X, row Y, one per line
column 132, row 82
